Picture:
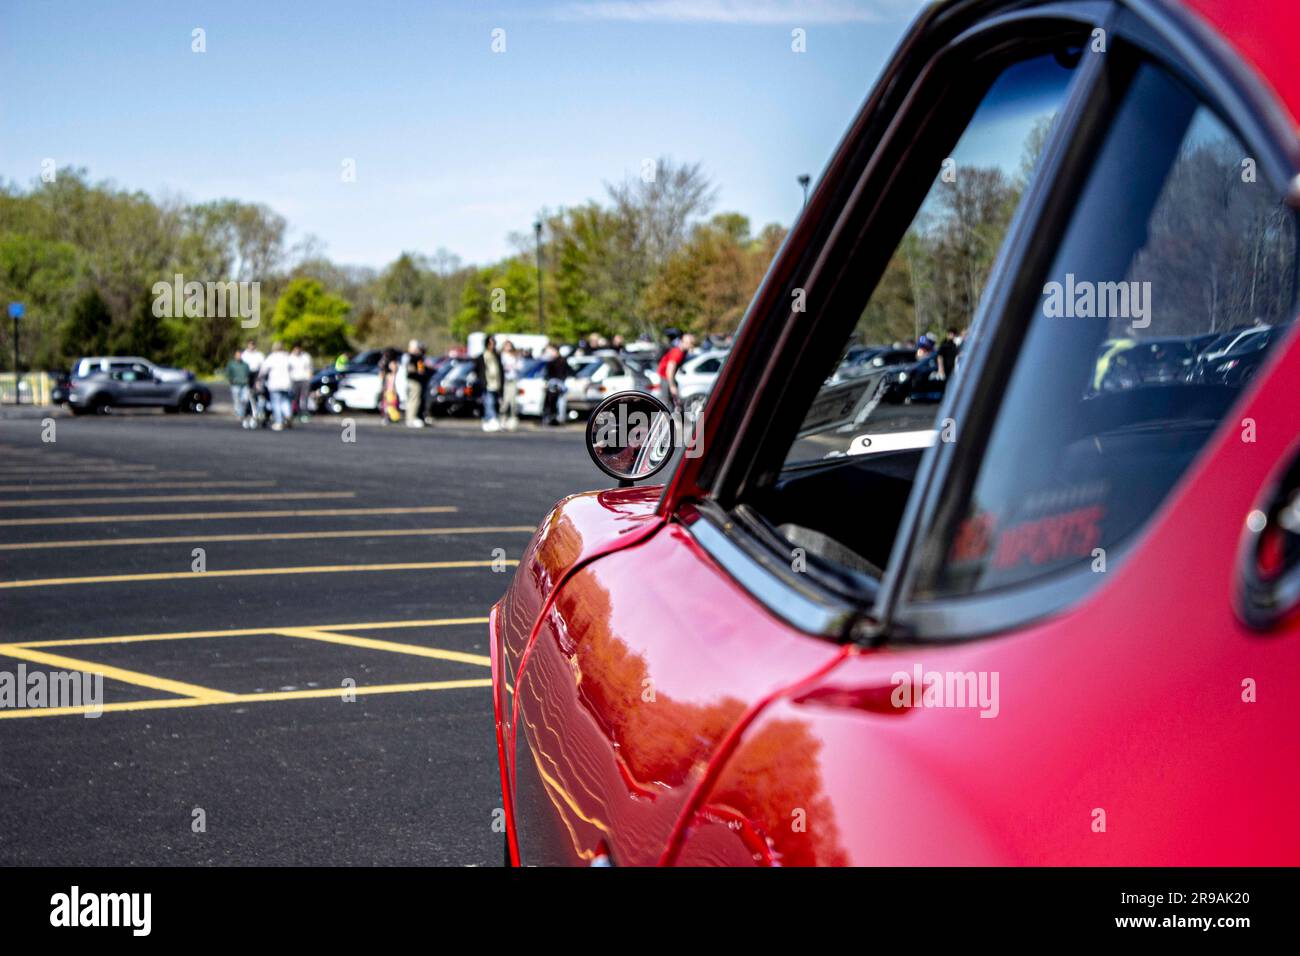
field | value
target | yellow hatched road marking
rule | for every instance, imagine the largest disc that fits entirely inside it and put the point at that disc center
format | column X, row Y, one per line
column 268, row 536
column 248, row 631
column 395, row 647
column 225, row 515
column 115, row 673
column 250, row 572
column 179, row 702
column 131, row 499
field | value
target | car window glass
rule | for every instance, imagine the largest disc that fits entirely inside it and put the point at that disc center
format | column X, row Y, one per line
column 1175, row 276
column 936, row 275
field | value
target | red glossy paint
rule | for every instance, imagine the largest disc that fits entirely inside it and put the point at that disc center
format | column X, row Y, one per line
column 1130, row 703
column 649, row 710
column 1262, row 33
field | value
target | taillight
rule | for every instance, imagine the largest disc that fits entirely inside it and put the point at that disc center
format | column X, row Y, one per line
column 442, row 390
column 520, row 392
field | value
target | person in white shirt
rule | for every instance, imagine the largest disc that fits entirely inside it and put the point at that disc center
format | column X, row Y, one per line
column 254, row 358
column 300, row 373
column 510, row 365
column 279, row 382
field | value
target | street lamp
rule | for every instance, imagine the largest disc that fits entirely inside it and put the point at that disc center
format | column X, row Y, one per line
column 16, row 313
column 804, row 180
column 541, row 309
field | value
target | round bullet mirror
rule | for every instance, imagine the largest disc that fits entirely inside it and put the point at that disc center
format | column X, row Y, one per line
column 630, row 436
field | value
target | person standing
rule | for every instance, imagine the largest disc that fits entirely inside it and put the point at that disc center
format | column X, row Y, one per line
column 488, row 368
column 237, row 375
column 670, row 364
column 557, row 370
column 416, row 369
column 389, row 402
column 510, row 365
column 947, row 357
column 254, row 358
column 279, row 382
column 300, row 375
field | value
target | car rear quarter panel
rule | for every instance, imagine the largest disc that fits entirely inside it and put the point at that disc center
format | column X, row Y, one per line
column 646, row 661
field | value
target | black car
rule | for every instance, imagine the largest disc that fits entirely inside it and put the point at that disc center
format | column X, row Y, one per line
column 916, row 383
column 458, row 391
column 1237, row 365
column 1162, row 361
column 865, row 359
column 62, row 387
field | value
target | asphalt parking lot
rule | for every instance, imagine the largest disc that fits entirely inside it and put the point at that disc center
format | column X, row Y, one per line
column 326, row 566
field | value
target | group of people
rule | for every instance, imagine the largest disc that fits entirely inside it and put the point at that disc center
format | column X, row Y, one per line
column 946, row 351
column 498, row 369
column 404, row 385
column 269, row 389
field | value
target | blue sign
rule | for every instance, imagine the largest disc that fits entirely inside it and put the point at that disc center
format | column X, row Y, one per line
column 15, row 310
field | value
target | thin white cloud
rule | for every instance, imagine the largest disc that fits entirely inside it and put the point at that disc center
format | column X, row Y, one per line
column 760, row 12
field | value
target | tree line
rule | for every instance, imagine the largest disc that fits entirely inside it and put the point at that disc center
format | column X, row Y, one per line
column 85, row 257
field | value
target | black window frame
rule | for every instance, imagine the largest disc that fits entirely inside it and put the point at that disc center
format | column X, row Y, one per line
column 1136, row 33
column 1173, row 40
column 911, row 115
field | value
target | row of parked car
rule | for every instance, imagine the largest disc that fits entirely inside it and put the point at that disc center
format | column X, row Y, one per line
column 454, row 388
column 1229, row 358
column 1217, row 358
column 100, row 384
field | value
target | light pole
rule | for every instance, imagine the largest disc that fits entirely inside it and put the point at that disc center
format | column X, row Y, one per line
column 804, row 180
column 541, row 308
column 16, row 313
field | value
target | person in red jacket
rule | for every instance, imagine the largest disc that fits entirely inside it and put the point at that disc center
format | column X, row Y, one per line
column 670, row 363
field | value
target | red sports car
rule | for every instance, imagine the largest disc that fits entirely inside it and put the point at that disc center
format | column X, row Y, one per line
column 1049, row 620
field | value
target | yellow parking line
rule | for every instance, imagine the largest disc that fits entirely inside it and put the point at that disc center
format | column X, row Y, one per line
column 270, row 536
column 249, row 631
column 133, row 485
column 96, row 471
column 394, row 647
column 225, row 515
column 115, row 673
column 250, row 572
column 314, row 693
column 131, row 499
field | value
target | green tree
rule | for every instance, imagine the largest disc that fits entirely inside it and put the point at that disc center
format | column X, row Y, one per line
column 307, row 315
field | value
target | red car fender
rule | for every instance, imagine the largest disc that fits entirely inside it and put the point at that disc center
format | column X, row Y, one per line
column 720, row 757
column 551, row 559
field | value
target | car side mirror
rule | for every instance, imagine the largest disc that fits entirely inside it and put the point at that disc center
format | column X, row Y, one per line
column 630, row 436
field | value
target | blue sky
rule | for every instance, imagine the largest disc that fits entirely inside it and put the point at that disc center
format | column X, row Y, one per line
column 455, row 146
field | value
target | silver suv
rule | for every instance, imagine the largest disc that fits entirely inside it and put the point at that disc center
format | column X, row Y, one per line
column 101, row 384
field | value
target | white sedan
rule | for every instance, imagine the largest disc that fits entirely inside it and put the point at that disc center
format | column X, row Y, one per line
column 359, row 391
column 695, row 380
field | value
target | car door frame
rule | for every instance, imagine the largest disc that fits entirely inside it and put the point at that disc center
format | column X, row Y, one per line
column 907, row 116
column 843, row 210
column 1155, row 35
